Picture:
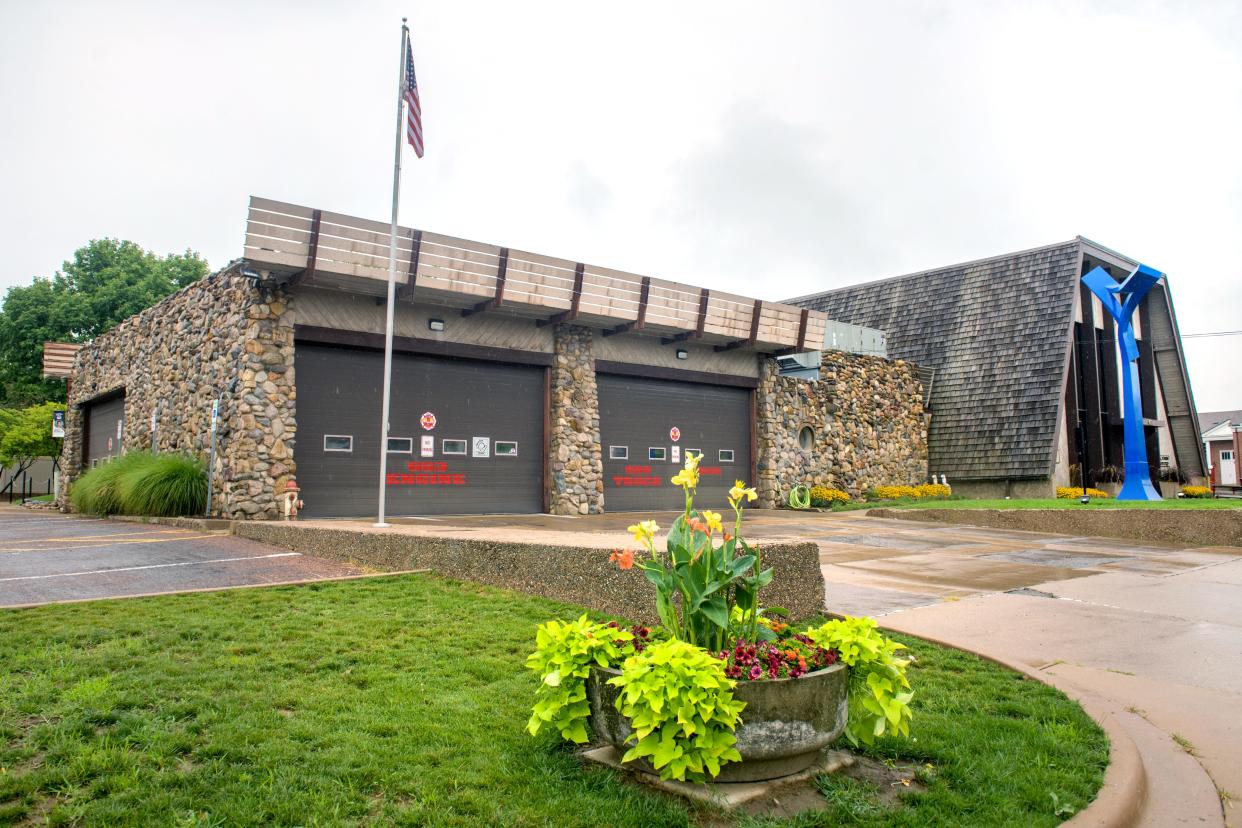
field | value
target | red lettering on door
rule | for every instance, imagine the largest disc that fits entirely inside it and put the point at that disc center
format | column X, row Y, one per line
column 430, row 474
column 636, row 480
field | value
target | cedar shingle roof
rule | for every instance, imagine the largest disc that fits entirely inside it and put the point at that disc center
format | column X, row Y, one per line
column 997, row 333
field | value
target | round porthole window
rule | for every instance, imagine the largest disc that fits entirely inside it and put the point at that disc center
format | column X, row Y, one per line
column 806, row 438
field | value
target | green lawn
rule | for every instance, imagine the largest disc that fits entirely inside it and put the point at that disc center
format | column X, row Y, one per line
column 1061, row 503
column 403, row 700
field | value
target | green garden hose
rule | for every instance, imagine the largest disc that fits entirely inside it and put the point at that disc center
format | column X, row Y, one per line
column 800, row 497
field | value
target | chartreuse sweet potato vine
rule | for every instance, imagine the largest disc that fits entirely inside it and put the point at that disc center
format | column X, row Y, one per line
column 676, row 693
column 880, row 694
column 682, row 709
column 563, row 657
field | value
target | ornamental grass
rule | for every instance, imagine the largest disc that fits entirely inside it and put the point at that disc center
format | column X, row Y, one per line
column 141, row 483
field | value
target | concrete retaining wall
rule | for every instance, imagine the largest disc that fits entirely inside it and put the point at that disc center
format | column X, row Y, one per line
column 1180, row 527
column 572, row 574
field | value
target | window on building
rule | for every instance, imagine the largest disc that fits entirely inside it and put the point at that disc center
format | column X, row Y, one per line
column 696, row 452
column 618, row 452
column 726, row 455
column 657, row 453
column 338, row 442
column 401, row 445
column 806, row 438
column 506, row 448
column 1226, row 455
column 453, row 447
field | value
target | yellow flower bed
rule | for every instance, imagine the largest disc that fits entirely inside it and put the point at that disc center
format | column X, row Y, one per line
column 933, row 490
column 896, row 492
column 1072, row 492
column 1196, row 491
column 921, row 492
column 825, row 496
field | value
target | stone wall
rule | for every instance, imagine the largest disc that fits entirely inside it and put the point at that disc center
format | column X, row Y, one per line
column 174, row 359
column 577, row 479
column 867, row 417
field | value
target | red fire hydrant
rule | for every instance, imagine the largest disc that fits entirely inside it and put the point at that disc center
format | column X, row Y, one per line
column 290, row 501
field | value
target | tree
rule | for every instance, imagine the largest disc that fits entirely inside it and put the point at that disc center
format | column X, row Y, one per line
column 106, row 282
column 26, row 435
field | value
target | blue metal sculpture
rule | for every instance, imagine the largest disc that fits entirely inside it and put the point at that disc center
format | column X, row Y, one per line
column 1121, row 301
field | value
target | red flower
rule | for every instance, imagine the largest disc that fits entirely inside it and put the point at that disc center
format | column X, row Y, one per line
column 623, row 558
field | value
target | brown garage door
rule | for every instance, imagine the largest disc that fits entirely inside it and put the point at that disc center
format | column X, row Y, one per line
column 483, row 454
column 105, row 423
column 639, row 419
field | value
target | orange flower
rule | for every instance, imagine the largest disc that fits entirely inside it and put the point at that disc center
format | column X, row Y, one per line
column 727, row 537
column 699, row 526
column 623, row 558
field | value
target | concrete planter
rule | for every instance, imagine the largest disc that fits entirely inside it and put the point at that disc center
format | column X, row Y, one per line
column 1111, row 488
column 785, row 725
column 1169, row 490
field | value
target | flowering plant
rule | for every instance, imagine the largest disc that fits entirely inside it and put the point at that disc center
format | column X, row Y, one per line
column 706, row 571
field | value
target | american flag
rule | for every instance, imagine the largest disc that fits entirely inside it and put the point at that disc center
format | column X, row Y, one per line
column 413, row 110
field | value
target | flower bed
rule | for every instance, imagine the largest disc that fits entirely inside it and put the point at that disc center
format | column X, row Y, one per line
column 1074, row 492
column 676, row 682
column 923, row 491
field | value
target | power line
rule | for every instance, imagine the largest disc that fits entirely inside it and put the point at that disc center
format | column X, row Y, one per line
column 1214, row 333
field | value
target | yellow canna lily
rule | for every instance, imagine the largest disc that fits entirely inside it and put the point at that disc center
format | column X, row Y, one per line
column 688, row 477
column 739, row 491
column 712, row 519
column 643, row 532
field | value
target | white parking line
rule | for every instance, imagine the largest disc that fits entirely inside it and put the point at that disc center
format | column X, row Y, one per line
column 150, row 566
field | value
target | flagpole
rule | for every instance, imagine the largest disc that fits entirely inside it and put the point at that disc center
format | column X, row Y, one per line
column 392, row 287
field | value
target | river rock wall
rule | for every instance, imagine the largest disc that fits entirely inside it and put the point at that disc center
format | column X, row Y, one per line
column 867, row 424
column 217, row 339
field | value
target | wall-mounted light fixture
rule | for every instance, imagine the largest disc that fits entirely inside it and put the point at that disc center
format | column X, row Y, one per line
column 435, row 324
column 682, row 353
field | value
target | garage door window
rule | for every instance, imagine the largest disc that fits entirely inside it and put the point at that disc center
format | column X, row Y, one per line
column 656, row 453
column 453, row 447
column 338, row 442
column 726, row 455
column 400, row 445
column 618, row 452
column 506, row 448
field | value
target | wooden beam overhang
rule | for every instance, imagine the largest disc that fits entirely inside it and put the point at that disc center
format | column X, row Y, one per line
column 801, row 346
column 406, row 291
column 312, row 252
column 575, row 303
column 497, row 300
column 754, row 331
column 641, row 322
column 697, row 333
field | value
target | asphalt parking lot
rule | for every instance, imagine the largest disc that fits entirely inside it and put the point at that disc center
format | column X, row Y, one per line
column 47, row 557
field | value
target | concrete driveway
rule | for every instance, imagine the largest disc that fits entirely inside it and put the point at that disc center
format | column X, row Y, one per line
column 47, row 557
column 1152, row 632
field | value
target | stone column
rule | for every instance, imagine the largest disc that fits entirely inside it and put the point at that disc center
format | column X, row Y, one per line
column 256, row 460
column 577, row 478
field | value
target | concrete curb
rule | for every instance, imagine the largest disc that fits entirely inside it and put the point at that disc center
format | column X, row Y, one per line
column 1179, row 527
column 1123, row 794
column 197, row 524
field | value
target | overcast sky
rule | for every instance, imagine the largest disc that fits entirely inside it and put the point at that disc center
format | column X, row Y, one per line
column 773, row 149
